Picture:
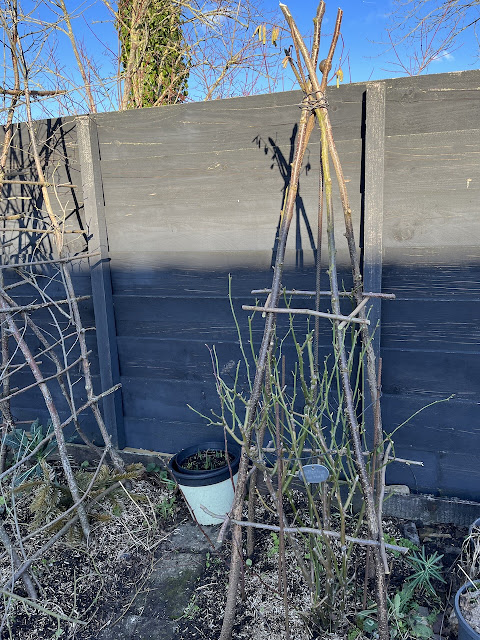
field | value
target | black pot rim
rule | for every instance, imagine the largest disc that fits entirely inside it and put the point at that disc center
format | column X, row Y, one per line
column 181, row 456
column 461, row 620
column 198, row 478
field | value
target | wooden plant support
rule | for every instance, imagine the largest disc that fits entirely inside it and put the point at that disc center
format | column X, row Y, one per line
column 315, row 109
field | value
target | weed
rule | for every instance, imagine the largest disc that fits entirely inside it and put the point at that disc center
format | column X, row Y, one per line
column 273, row 551
column 161, row 474
column 353, row 633
column 211, row 560
column 403, row 609
column 426, row 568
column 191, row 610
column 401, row 542
column 166, row 508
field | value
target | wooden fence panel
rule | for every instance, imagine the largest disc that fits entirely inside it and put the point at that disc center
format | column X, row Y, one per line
column 192, row 193
column 430, row 334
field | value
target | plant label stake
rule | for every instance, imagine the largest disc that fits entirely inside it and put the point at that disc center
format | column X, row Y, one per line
column 314, row 473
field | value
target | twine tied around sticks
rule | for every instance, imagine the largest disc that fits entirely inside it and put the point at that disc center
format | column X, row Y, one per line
column 311, row 101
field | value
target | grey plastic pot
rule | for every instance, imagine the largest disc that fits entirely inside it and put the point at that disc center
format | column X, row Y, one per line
column 212, row 489
column 465, row 631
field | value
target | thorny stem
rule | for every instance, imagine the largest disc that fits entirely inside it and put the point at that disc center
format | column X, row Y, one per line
column 252, row 485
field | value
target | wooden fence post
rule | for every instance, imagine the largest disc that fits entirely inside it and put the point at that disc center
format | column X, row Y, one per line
column 94, row 207
column 373, row 212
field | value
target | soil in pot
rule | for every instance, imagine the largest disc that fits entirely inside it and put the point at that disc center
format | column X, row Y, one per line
column 470, row 608
column 207, row 460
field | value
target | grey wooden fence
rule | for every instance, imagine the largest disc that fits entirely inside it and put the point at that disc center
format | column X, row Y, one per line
column 176, row 198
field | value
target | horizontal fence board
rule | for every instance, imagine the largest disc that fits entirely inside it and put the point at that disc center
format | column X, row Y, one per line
column 156, row 434
column 238, row 160
column 43, row 316
column 442, row 273
column 35, row 395
column 431, row 324
column 123, row 133
column 48, row 367
column 185, row 360
column 141, row 395
column 429, row 373
column 245, row 217
column 207, row 317
column 421, row 105
column 432, row 189
column 53, row 289
column 447, row 425
column 459, row 472
column 202, row 274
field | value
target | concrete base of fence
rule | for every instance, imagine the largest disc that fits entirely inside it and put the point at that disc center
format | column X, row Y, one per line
column 431, row 509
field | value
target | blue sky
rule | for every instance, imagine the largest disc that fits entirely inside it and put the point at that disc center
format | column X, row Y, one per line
column 364, row 28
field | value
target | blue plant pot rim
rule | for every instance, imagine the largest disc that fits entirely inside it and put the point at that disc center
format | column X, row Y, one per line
column 199, row 478
column 470, row 633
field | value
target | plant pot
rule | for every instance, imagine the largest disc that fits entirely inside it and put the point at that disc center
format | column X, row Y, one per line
column 465, row 631
column 212, row 488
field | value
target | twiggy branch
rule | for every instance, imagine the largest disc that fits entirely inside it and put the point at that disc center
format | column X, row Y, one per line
column 342, row 294
column 33, row 93
column 318, row 532
column 49, row 403
column 43, row 231
column 45, row 380
column 307, row 312
column 42, row 305
column 37, row 263
column 17, row 562
column 40, row 183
